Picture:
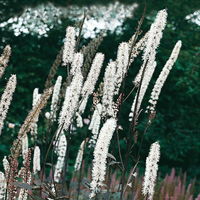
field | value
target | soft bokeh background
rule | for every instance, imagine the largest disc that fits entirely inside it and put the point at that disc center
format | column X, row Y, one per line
column 35, row 30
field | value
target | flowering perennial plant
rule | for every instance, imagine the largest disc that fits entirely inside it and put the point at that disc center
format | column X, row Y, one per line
column 100, row 122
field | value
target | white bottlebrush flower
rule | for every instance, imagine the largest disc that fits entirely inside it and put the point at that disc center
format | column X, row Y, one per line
column 93, row 75
column 70, row 103
column 69, row 45
column 55, row 98
column 36, row 98
column 2, row 186
column 24, row 146
column 4, row 58
column 36, row 160
column 89, row 84
column 108, row 90
column 6, row 99
column 79, row 157
column 95, row 124
column 151, row 171
column 60, row 149
column 163, row 76
column 76, row 63
column 6, row 166
column 154, row 36
column 100, row 155
column 145, row 83
column 121, row 64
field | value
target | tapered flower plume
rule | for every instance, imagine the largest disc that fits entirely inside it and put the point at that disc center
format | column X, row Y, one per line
column 6, row 99
column 76, row 63
column 6, row 166
column 163, row 76
column 144, row 85
column 69, row 45
column 108, row 90
column 121, row 64
column 151, row 171
column 55, row 98
column 95, row 124
column 61, row 148
column 79, row 157
column 36, row 98
column 70, row 103
column 36, row 160
column 154, row 36
column 4, row 58
column 100, row 155
column 91, row 80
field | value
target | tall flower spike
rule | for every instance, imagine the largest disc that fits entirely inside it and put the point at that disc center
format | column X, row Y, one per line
column 76, row 63
column 163, row 76
column 145, row 83
column 79, row 157
column 6, row 99
column 121, row 64
column 70, row 103
column 36, row 160
column 61, row 148
column 154, row 36
column 36, row 98
column 69, row 45
column 6, row 166
column 55, row 98
column 108, row 90
column 95, row 124
column 91, row 80
column 100, row 155
column 151, row 171
column 4, row 59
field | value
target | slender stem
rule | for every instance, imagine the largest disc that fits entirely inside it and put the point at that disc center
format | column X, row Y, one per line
column 52, row 140
column 119, row 149
column 133, row 124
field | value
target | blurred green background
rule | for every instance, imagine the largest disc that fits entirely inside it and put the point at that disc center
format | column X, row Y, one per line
column 177, row 125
